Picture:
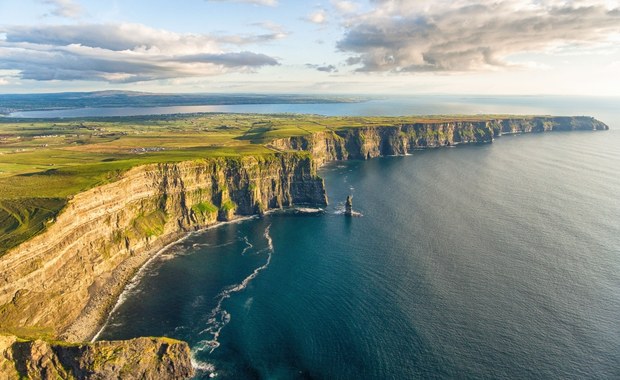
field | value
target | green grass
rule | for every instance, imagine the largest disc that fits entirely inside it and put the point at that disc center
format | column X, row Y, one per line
column 30, row 333
column 228, row 205
column 204, row 208
column 21, row 219
column 147, row 225
column 43, row 163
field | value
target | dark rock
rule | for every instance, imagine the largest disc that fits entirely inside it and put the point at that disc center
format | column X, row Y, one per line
column 348, row 206
column 140, row 358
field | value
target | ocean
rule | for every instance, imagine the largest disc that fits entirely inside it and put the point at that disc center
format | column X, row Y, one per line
column 497, row 261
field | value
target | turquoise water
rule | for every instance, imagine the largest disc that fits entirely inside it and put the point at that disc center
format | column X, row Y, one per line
column 492, row 261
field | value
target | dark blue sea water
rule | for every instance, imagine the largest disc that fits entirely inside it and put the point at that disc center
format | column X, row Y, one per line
column 497, row 261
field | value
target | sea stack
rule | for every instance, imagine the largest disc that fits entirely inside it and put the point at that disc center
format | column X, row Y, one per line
column 348, row 206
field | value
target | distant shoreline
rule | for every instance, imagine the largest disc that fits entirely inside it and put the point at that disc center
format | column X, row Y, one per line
column 68, row 101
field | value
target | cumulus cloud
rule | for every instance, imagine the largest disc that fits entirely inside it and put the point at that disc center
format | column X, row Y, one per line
column 462, row 35
column 119, row 53
column 324, row 68
column 270, row 3
column 64, row 8
column 317, row 17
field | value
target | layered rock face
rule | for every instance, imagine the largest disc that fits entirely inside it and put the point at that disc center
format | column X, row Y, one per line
column 66, row 279
column 140, row 358
column 60, row 278
column 369, row 142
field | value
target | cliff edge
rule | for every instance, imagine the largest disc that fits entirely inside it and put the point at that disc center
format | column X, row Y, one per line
column 362, row 143
column 66, row 280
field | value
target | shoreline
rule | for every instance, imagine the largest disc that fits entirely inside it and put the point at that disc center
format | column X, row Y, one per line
column 100, row 320
column 98, row 326
column 106, row 295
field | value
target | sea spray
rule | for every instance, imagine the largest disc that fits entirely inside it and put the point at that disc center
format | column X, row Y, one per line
column 248, row 245
column 218, row 318
column 135, row 281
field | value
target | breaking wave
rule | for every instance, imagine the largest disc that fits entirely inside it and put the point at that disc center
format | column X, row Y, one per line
column 219, row 317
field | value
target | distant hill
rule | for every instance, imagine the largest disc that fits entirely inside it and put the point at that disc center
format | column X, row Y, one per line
column 113, row 98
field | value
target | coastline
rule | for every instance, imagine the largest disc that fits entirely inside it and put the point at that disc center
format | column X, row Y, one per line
column 95, row 316
column 102, row 309
column 253, row 184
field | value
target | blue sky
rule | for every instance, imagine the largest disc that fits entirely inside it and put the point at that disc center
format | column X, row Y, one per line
column 330, row 46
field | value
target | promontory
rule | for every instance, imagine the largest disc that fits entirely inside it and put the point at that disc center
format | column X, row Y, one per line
column 84, row 203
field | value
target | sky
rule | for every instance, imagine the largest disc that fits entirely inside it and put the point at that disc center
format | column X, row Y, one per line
column 403, row 47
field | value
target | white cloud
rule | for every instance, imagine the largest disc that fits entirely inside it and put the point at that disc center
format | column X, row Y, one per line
column 120, row 53
column 65, row 8
column 317, row 17
column 344, row 6
column 462, row 35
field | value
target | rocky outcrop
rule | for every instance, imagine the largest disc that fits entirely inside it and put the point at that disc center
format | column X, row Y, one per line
column 68, row 278
column 368, row 142
column 140, row 358
column 348, row 206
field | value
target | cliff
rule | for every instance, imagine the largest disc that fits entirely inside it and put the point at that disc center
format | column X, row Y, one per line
column 66, row 280
column 140, row 358
column 370, row 142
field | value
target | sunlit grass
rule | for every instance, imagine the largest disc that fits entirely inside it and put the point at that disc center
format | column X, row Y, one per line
column 43, row 162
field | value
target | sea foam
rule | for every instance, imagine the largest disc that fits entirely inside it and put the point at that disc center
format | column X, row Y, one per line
column 219, row 317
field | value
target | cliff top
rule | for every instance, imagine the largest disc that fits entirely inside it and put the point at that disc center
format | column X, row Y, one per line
column 139, row 358
column 45, row 162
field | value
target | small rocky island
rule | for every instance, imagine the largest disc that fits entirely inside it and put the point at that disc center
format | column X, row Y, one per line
column 348, row 206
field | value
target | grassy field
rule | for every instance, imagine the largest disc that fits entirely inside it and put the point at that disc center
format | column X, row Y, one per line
column 44, row 162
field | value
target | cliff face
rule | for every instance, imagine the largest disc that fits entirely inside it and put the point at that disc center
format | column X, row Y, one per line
column 66, row 279
column 140, row 358
column 369, row 142
column 62, row 277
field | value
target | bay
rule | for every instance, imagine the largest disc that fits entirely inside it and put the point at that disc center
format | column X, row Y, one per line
column 489, row 261
column 604, row 108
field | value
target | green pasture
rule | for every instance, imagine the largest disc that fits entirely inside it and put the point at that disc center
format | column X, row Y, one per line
column 44, row 162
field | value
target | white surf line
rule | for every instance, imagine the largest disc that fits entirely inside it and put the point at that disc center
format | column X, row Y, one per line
column 218, row 318
column 138, row 276
column 248, row 245
column 133, row 283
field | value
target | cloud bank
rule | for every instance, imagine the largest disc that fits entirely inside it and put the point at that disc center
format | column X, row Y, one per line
column 461, row 35
column 123, row 53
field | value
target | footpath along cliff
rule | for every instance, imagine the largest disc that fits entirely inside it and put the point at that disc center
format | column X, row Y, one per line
column 66, row 280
